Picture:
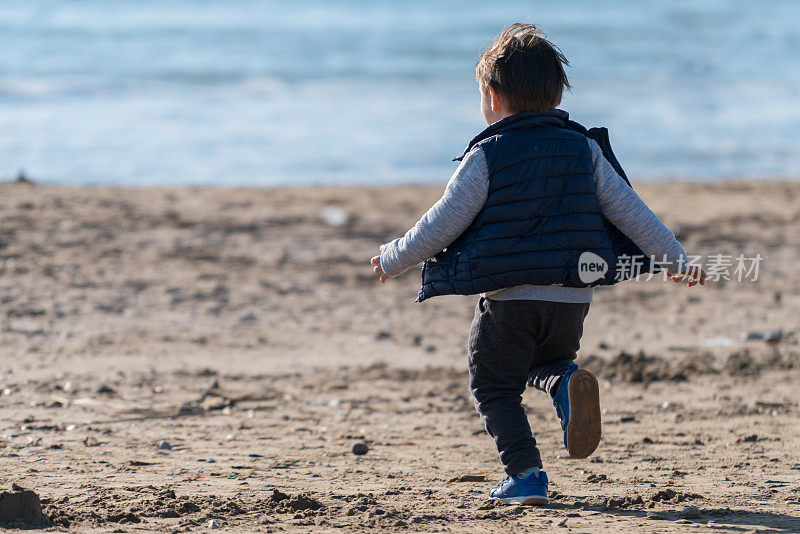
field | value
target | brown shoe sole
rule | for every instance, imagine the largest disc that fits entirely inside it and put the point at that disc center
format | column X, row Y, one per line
column 535, row 502
column 583, row 430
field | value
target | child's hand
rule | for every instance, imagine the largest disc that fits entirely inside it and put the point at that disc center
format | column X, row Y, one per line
column 376, row 267
column 696, row 275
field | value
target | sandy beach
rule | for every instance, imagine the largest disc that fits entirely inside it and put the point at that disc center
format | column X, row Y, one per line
column 172, row 357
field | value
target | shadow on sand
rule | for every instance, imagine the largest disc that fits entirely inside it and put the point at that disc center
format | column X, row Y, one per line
column 728, row 519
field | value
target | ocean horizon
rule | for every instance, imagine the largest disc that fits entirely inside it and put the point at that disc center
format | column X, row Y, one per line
column 253, row 92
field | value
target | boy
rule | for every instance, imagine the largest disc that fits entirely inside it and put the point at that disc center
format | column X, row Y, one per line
column 534, row 196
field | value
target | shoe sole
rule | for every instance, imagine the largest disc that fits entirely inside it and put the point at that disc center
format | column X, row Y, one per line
column 583, row 430
column 533, row 500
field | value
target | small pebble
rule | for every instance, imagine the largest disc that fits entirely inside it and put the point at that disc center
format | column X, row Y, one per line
column 360, row 449
column 213, row 524
column 690, row 512
column 164, row 445
column 334, row 216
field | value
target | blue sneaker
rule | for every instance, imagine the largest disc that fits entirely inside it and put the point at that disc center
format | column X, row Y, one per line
column 577, row 403
column 531, row 489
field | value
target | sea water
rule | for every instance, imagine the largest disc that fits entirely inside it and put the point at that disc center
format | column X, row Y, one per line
column 256, row 92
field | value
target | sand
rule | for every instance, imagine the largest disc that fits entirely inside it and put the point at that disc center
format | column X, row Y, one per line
column 175, row 356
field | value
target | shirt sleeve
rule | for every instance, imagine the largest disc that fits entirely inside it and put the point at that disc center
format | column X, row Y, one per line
column 627, row 211
column 463, row 199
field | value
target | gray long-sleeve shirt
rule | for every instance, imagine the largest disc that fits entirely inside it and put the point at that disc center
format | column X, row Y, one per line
column 465, row 196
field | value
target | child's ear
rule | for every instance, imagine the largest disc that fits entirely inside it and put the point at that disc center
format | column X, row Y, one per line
column 495, row 100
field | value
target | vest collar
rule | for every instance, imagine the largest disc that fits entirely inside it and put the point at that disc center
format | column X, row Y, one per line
column 526, row 119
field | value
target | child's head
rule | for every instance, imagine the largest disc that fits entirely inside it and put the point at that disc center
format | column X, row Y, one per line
column 521, row 71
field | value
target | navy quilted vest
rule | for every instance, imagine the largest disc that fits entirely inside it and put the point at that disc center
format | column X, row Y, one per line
column 540, row 216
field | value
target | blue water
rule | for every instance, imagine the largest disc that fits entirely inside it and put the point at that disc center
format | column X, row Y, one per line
column 265, row 92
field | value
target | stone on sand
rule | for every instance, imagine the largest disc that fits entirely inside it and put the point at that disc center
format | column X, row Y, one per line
column 690, row 512
column 334, row 216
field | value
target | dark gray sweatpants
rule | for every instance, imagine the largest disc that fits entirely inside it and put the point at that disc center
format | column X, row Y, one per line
column 511, row 343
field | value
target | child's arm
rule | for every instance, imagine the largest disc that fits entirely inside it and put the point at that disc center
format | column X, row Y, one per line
column 623, row 208
column 462, row 200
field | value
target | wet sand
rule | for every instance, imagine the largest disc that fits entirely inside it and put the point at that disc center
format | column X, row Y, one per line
column 175, row 356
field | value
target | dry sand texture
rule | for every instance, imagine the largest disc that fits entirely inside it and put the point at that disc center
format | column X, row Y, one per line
column 171, row 357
